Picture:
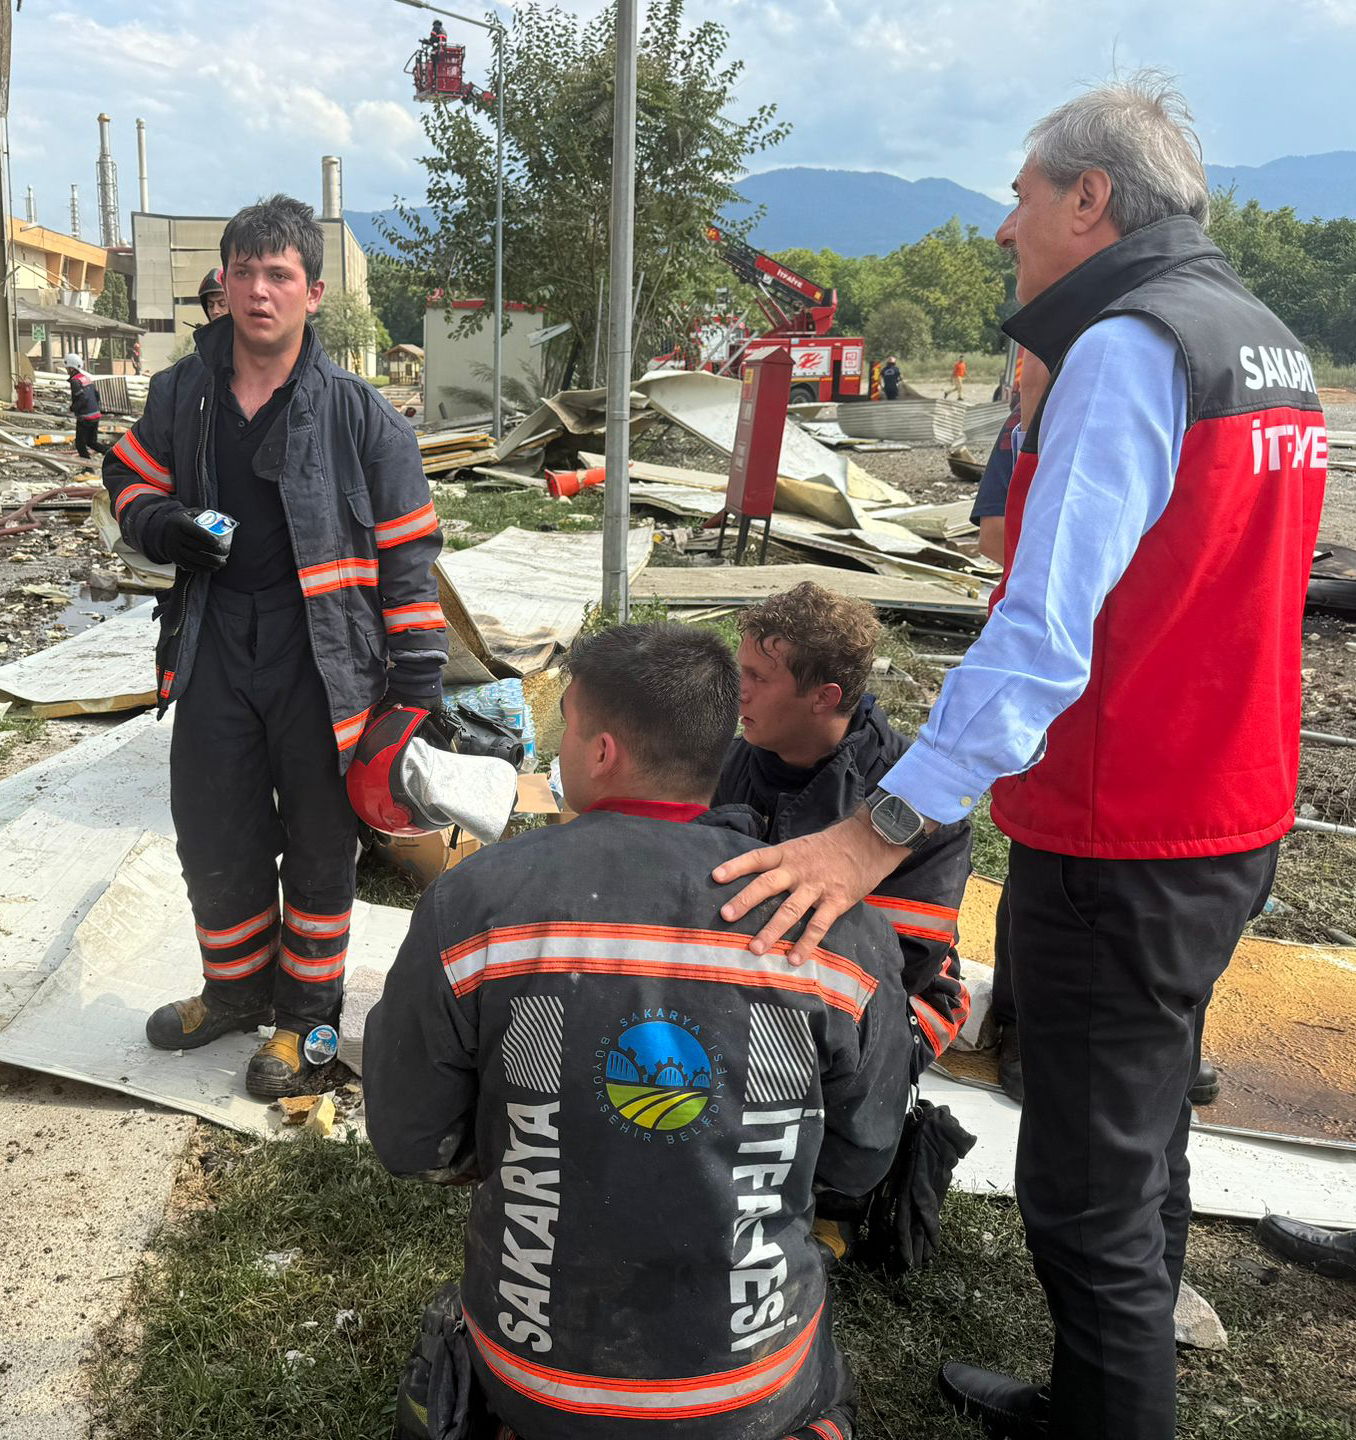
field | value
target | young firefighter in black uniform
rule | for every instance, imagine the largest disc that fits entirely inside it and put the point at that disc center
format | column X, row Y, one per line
column 648, row 1106
column 279, row 645
column 814, row 744
column 85, row 406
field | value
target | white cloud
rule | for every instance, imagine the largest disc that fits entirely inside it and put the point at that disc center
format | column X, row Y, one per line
column 240, row 102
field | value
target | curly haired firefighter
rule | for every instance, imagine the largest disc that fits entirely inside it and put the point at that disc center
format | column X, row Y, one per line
column 280, row 637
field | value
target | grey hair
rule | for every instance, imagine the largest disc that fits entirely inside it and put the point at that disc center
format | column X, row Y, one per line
column 1139, row 131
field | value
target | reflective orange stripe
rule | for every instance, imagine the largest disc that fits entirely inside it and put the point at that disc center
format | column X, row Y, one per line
column 407, row 527
column 238, row 969
column 337, row 574
column 166, row 684
column 413, row 617
column 663, row 952
column 134, row 455
column 328, row 967
column 348, row 732
column 682, row 1398
column 319, row 927
column 917, row 917
column 234, row 934
column 125, row 497
column 946, row 1027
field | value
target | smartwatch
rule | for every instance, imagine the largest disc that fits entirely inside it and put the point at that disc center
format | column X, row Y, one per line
column 895, row 820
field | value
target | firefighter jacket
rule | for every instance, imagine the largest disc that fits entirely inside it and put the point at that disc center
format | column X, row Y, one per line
column 649, row 1108
column 85, row 402
column 921, row 899
column 1197, row 647
column 364, row 533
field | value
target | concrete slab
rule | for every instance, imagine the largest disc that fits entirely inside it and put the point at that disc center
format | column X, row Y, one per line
column 86, row 1178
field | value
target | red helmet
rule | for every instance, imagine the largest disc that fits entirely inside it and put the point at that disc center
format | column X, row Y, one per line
column 407, row 778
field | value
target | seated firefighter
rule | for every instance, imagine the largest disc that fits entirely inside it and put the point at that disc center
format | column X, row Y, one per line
column 647, row 1105
column 815, row 745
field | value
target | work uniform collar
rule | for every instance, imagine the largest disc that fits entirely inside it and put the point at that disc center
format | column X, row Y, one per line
column 1058, row 315
column 672, row 810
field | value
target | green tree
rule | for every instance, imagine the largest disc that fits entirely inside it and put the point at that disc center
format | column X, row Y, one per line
column 113, row 302
column 900, row 328
column 558, row 99
column 399, row 297
column 347, row 327
column 956, row 276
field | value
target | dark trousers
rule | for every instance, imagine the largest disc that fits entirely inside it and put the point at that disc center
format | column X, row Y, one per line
column 254, row 774
column 87, row 437
column 1113, row 964
column 1004, row 1004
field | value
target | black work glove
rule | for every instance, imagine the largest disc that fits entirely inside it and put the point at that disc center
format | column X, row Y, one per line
column 186, row 544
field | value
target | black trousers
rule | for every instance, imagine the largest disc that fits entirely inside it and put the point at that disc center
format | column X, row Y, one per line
column 1004, row 1005
column 87, row 437
column 1113, row 963
column 254, row 775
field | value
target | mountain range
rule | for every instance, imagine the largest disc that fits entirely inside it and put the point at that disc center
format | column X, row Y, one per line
column 868, row 212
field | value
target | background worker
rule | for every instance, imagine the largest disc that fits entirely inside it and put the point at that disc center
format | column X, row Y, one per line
column 813, row 744
column 890, row 377
column 85, row 406
column 648, row 1109
column 957, row 379
column 212, row 295
column 1138, row 688
column 277, row 643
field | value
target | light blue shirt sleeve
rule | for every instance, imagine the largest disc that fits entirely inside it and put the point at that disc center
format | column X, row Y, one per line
column 1111, row 438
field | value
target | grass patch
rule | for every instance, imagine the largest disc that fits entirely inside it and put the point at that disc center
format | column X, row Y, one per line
column 487, row 512
column 19, row 730
column 202, row 1352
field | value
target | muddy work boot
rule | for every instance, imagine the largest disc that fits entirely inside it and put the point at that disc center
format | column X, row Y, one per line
column 278, row 1067
column 186, row 1024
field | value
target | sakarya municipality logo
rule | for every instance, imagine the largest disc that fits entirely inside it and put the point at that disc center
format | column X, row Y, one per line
column 657, row 1074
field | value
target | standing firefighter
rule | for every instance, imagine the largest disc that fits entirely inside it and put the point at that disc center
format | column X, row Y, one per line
column 1134, row 702
column 85, row 408
column 279, row 640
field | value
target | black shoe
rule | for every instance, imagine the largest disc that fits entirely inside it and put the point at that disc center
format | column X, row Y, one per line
column 186, row 1024
column 1330, row 1252
column 1010, row 1064
column 1205, row 1088
column 1008, row 1409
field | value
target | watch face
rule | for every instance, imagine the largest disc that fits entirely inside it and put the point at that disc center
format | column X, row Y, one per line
column 896, row 819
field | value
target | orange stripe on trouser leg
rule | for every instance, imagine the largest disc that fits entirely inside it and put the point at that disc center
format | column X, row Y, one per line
column 238, row 969
column 324, row 967
column 318, row 927
column 237, row 934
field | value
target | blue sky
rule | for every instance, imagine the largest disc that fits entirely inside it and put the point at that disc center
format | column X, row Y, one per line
column 240, row 101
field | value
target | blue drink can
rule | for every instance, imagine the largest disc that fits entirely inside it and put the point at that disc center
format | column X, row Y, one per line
column 321, row 1045
column 215, row 523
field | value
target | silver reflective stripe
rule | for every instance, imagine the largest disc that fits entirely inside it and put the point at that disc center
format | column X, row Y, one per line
column 671, row 1399
column 900, row 912
column 717, row 956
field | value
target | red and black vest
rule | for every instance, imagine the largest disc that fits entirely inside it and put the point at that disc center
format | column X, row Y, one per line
column 1186, row 740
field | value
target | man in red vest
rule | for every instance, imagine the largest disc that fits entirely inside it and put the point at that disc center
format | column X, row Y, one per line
column 1134, row 704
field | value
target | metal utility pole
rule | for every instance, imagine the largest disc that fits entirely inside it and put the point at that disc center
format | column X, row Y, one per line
column 75, row 212
column 617, row 491
column 497, row 30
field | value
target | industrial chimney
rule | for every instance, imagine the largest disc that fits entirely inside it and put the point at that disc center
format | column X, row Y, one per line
column 141, row 167
column 110, row 226
column 75, row 211
column 30, row 207
column 331, row 188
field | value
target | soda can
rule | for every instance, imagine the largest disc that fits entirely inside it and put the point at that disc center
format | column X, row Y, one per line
column 321, row 1045
column 218, row 524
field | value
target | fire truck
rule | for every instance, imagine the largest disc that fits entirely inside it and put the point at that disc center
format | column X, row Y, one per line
column 799, row 315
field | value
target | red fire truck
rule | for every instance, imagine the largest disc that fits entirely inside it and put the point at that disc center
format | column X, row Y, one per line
column 799, row 314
